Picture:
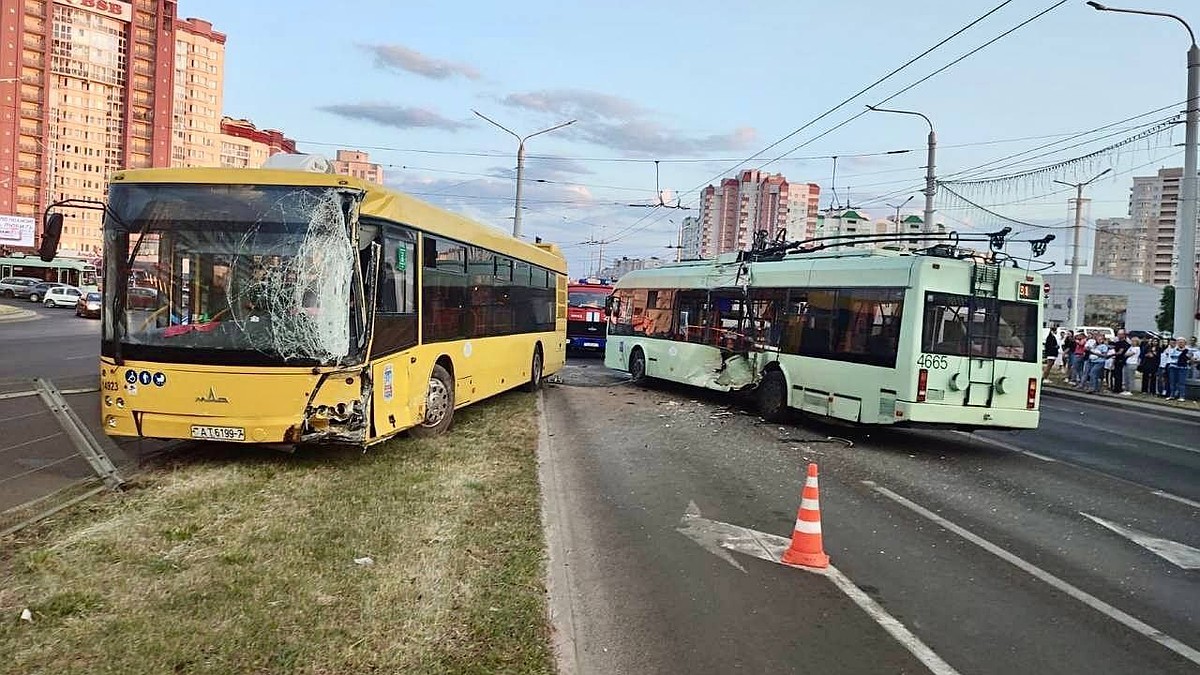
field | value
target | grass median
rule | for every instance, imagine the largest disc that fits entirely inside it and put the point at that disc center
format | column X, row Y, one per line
column 244, row 561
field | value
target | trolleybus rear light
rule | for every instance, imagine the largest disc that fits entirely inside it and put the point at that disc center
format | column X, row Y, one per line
column 922, row 384
column 1031, row 395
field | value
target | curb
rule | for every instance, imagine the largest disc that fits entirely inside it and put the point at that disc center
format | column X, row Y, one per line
column 1142, row 405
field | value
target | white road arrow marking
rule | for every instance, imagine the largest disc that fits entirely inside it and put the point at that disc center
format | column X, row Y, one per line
column 719, row 538
column 1180, row 555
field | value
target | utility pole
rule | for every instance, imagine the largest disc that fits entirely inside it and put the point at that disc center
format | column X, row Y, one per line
column 930, row 164
column 902, row 204
column 1185, row 227
column 520, row 161
column 1076, row 263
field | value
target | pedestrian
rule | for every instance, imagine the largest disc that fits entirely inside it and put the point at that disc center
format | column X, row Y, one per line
column 1164, row 384
column 1179, row 360
column 1133, row 356
column 1068, row 352
column 1097, row 357
column 1149, row 368
column 1119, row 347
column 1083, row 342
column 1049, row 353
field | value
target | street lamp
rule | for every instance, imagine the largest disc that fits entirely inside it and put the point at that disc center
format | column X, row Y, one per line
column 1185, row 229
column 930, row 180
column 520, row 161
column 902, row 205
column 1075, row 262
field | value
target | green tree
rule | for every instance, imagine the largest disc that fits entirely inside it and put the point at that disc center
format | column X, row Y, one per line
column 1166, row 310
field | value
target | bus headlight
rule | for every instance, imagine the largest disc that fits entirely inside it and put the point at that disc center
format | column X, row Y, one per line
column 108, row 401
column 111, row 421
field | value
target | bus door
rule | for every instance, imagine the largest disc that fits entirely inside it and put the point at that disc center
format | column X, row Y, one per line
column 982, row 333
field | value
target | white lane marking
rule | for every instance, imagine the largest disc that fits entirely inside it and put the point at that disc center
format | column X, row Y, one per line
column 1131, row 622
column 1144, row 412
column 1180, row 555
column 1181, row 500
column 889, row 623
column 1114, row 432
column 716, row 536
column 1007, row 446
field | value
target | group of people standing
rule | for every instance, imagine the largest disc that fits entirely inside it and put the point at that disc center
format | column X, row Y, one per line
column 1094, row 362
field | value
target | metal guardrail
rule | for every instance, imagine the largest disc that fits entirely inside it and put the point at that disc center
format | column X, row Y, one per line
column 48, row 454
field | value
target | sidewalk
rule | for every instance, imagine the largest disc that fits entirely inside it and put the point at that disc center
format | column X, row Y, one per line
column 9, row 314
column 1056, row 385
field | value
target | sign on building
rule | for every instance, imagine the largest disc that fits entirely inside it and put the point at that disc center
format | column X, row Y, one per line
column 16, row 231
column 113, row 8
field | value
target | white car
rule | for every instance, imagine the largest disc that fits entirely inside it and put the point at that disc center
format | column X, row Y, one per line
column 62, row 296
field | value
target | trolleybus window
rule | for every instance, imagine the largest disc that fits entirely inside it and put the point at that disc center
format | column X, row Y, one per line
column 962, row 325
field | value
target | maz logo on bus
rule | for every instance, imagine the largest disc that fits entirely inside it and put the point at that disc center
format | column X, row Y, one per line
column 933, row 361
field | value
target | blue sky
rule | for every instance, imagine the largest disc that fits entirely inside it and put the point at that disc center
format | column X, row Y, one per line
column 708, row 83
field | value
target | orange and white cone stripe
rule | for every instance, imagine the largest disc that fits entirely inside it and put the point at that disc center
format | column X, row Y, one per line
column 807, row 548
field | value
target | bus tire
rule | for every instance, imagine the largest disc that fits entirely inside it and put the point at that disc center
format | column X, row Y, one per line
column 637, row 366
column 772, row 396
column 439, row 405
column 536, row 367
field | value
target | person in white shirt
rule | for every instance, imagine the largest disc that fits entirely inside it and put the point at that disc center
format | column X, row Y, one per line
column 1179, row 359
column 1133, row 356
column 1097, row 356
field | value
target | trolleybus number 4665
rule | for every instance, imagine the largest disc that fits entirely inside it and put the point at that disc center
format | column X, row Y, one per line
column 933, row 361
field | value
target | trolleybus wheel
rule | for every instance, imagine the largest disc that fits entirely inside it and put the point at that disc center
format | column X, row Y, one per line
column 772, row 396
column 637, row 366
column 535, row 371
column 439, row 405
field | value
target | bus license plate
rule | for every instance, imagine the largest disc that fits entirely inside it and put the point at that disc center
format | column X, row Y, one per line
column 219, row 433
column 591, row 344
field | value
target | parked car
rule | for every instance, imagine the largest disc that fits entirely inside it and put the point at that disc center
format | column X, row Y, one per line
column 1144, row 334
column 62, row 296
column 38, row 292
column 17, row 287
column 89, row 305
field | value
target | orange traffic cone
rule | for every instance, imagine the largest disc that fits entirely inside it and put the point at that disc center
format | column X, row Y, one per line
column 806, row 549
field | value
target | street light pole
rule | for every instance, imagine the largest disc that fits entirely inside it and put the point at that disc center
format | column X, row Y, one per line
column 1076, row 263
column 930, row 163
column 1185, row 226
column 520, row 161
column 902, row 205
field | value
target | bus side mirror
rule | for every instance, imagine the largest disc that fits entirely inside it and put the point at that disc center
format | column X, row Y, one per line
column 608, row 306
column 51, row 233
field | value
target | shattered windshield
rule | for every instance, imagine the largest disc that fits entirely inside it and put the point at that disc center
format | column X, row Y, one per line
column 267, row 270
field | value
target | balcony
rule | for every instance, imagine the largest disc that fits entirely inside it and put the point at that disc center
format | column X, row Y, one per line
column 34, row 9
column 30, row 96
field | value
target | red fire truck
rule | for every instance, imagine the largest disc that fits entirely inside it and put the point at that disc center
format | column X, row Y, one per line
column 586, row 326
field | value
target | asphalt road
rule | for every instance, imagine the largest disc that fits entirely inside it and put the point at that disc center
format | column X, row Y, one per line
column 979, row 549
column 36, row 457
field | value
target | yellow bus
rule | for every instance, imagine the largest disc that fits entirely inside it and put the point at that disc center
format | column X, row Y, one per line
column 302, row 307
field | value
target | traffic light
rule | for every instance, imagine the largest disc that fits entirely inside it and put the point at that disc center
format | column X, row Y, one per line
column 1046, row 288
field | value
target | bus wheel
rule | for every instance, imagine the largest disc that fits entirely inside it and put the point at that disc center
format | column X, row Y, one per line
column 535, row 371
column 637, row 366
column 772, row 396
column 439, row 405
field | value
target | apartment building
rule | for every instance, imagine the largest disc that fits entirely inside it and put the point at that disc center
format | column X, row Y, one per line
column 1153, row 210
column 358, row 164
column 245, row 146
column 198, row 99
column 732, row 212
column 1120, row 250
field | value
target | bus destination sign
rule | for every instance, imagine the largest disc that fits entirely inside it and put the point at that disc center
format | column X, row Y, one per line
column 1031, row 292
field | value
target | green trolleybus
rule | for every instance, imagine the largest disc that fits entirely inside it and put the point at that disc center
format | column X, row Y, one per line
column 941, row 337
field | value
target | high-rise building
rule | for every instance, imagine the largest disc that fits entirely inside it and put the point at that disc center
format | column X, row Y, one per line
column 86, row 89
column 89, row 88
column 245, row 146
column 1120, row 250
column 1154, row 208
column 690, row 238
column 731, row 213
column 624, row 265
column 199, row 77
column 358, row 164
